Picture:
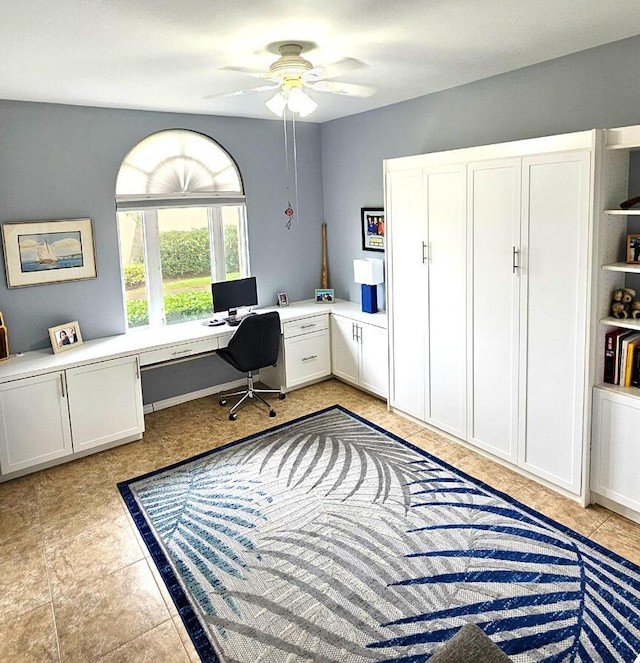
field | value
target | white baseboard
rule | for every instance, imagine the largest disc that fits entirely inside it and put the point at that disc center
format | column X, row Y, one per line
column 193, row 395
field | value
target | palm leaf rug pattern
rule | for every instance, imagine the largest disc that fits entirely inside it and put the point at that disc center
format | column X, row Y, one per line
column 330, row 540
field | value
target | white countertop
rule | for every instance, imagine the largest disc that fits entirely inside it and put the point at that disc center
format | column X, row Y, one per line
column 143, row 340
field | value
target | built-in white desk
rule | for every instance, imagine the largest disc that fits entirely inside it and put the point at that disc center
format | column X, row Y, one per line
column 54, row 407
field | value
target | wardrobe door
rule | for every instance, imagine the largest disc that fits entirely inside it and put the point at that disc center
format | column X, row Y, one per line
column 554, row 297
column 446, row 256
column 407, row 286
column 494, row 232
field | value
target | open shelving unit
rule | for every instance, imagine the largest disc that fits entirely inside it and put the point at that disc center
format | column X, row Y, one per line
column 616, row 152
column 615, row 430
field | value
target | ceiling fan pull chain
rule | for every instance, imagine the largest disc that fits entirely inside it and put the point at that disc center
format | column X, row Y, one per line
column 295, row 160
column 289, row 210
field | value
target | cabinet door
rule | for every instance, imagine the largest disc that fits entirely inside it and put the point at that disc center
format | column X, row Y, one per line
column 615, row 449
column 494, row 207
column 407, row 241
column 34, row 426
column 105, row 402
column 446, row 399
column 374, row 359
column 344, row 349
column 307, row 357
column 554, row 296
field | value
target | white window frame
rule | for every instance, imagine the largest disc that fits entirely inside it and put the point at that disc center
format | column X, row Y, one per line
column 152, row 260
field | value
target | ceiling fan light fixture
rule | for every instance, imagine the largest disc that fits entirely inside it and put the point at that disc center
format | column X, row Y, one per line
column 301, row 103
column 276, row 104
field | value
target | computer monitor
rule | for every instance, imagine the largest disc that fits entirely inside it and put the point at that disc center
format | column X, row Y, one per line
column 231, row 295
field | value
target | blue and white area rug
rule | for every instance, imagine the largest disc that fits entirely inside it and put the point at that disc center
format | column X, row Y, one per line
column 331, row 540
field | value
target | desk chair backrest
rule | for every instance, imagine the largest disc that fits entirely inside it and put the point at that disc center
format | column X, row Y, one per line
column 256, row 342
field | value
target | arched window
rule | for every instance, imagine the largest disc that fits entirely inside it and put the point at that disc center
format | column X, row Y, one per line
column 182, row 224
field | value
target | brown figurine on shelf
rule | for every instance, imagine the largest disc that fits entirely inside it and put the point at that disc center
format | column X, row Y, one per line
column 621, row 300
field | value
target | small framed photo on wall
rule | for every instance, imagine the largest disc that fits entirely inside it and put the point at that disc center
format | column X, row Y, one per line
column 372, row 226
column 65, row 337
column 633, row 249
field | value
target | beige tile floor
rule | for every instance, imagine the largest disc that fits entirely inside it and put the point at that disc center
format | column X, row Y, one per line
column 77, row 584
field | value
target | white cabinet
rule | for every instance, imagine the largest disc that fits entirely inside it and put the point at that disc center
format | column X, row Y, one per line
column 345, row 358
column 34, row 423
column 359, row 354
column 529, row 226
column 55, row 415
column 494, row 230
column 426, row 267
column 305, row 354
column 105, row 402
column 488, row 262
column 615, row 448
column 554, row 292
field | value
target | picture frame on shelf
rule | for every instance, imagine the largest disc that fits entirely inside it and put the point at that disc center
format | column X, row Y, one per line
column 633, row 249
column 372, row 228
column 41, row 252
column 65, row 337
column 324, row 296
column 283, row 299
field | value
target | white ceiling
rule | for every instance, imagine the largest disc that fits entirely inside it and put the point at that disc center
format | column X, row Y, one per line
column 168, row 54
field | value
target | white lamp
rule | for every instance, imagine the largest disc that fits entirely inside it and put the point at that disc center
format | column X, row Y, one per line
column 369, row 272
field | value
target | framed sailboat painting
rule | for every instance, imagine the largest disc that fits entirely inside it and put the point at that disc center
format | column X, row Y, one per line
column 38, row 252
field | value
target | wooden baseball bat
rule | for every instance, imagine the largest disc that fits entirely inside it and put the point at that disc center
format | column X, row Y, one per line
column 325, row 275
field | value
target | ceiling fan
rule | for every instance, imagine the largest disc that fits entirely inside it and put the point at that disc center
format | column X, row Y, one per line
column 291, row 73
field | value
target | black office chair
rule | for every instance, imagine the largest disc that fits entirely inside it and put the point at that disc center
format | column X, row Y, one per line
column 254, row 345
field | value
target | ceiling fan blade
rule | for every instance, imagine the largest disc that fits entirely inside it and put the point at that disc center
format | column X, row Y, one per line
column 237, row 93
column 249, row 72
column 341, row 67
column 350, row 89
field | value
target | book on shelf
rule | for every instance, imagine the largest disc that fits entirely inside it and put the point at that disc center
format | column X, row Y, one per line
column 635, row 371
column 632, row 352
column 610, row 354
column 619, row 343
column 625, row 351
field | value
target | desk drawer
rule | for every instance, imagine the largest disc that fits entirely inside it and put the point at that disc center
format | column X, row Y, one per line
column 306, row 325
column 307, row 358
column 178, row 351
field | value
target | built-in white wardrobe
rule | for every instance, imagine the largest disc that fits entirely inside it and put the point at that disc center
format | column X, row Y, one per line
column 488, row 281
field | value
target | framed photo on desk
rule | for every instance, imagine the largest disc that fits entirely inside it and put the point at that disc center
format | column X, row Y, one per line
column 65, row 337
column 324, row 296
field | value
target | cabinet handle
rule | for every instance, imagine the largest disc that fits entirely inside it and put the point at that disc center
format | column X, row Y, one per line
column 313, row 324
column 359, row 333
column 425, row 256
column 514, row 257
column 181, row 352
column 137, row 368
column 310, row 358
column 62, row 389
column 353, row 332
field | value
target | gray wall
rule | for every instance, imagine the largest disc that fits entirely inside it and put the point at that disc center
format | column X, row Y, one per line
column 62, row 162
column 593, row 89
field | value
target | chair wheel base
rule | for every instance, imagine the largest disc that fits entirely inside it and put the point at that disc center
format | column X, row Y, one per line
column 281, row 397
column 233, row 417
column 272, row 413
column 223, row 401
